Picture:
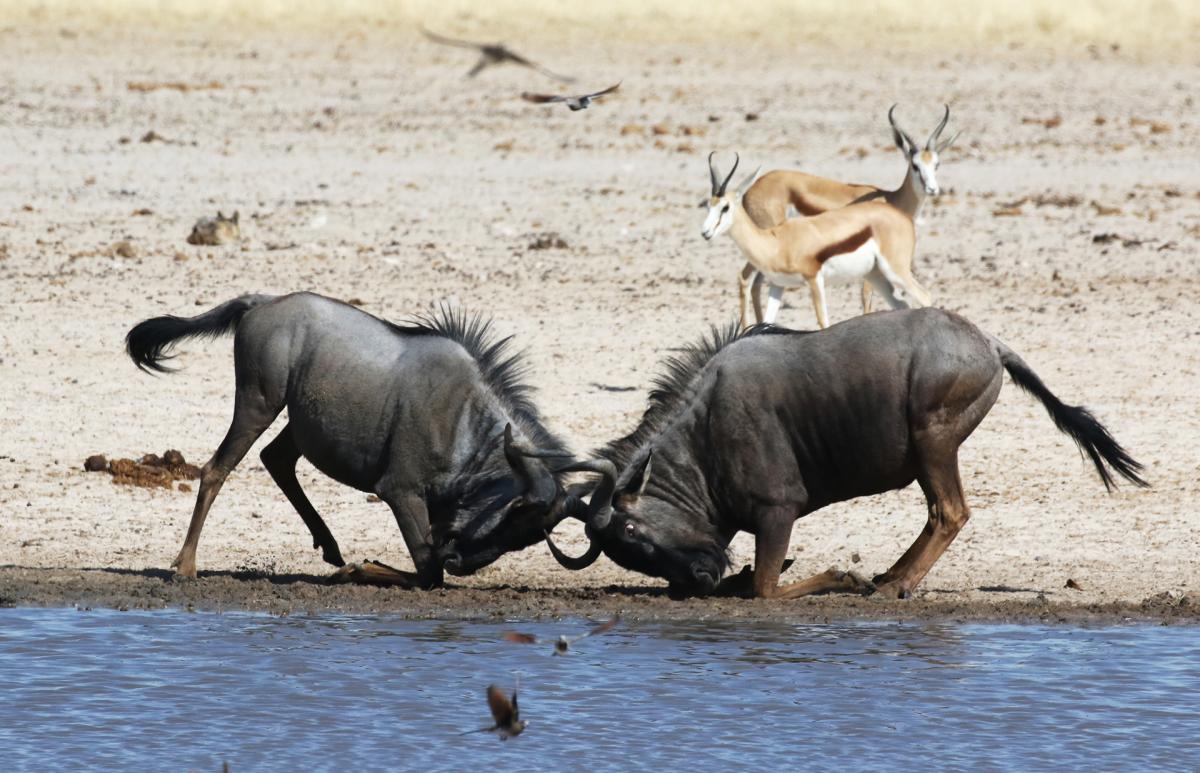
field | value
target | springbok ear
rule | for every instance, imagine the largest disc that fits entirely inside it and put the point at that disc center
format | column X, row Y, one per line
column 235, row 217
column 703, row 204
column 631, row 491
column 746, row 183
column 219, row 215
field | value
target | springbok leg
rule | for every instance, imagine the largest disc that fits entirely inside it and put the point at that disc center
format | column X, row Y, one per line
column 748, row 284
column 280, row 457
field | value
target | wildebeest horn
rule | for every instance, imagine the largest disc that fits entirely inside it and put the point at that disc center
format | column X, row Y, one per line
column 931, row 143
column 536, row 481
column 574, row 563
column 902, row 139
column 596, row 515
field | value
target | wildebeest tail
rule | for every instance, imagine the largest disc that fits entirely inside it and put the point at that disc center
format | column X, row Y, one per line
column 1089, row 434
column 148, row 340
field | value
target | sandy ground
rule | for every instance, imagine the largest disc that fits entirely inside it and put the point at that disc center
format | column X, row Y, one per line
column 365, row 166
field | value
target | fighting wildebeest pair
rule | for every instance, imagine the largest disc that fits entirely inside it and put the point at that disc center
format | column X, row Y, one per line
column 747, row 431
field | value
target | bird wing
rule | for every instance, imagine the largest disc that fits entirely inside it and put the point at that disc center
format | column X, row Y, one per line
column 483, row 62
column 520, row 638
column 608, row 90
column 602, row 628
column 445, row 41
column 504, row 711
column 549, row 73
column 529, row 96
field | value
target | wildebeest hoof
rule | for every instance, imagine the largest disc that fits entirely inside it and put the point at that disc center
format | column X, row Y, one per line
column 892, row 590
column 333, row 557
column 344, row 575
column 859, row 584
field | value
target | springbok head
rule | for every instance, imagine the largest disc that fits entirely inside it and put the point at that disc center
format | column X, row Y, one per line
column 721, row 201
column 923, row 163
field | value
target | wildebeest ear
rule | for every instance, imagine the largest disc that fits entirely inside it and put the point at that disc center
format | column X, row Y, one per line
column 630, row 492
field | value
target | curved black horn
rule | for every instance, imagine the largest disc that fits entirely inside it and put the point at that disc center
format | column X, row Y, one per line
column 535, row 479
column 599, row 509
column 712, row 173
column 933, row 138
column 574, row 563
column 899, row 133
column 736, row 160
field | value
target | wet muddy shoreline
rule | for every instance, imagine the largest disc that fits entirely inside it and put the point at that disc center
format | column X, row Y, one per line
column 309, row 594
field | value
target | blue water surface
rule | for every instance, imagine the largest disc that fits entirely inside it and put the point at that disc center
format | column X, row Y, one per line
column 173, row 691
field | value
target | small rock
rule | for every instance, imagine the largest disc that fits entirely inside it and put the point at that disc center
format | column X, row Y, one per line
column 95, row 463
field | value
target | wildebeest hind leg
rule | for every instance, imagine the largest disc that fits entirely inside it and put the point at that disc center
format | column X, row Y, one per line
column 770, row 546
column 251, row 417
column 948, row 513
column 280, row 457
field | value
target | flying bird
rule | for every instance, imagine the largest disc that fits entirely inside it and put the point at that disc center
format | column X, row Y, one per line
column 562, row 643
column 493, row 54
column 580, row 102
column 505, row 714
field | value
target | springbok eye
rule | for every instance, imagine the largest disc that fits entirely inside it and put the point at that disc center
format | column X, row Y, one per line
column 630, row 529
column 725, row 208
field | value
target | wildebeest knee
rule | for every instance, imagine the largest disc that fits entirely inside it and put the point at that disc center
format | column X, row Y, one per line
column 211, row 475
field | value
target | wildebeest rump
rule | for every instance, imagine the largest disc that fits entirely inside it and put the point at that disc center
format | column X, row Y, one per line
column 748, row 432
column 433, row 418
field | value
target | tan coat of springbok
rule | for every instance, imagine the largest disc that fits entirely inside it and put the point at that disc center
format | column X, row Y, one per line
column 866, row 242
column 773, row 195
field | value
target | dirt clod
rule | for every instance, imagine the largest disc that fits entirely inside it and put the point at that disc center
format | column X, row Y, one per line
column 150, row 471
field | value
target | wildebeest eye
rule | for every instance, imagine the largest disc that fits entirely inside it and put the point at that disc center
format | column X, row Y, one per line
column 630, row 529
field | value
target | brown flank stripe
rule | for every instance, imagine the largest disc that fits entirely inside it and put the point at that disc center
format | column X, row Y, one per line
column 849, row 244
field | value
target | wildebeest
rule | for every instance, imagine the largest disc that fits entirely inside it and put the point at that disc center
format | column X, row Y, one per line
column 748, row 432
column 432, row 417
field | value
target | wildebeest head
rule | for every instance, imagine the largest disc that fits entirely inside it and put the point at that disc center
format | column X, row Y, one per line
column 507, row 510
column 646, row 532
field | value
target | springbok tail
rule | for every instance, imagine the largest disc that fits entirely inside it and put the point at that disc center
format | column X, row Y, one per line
column 147, row 342
column 1089, row 434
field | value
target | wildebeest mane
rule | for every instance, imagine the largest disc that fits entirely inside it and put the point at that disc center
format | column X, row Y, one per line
column 502, row 369
column 673, row 388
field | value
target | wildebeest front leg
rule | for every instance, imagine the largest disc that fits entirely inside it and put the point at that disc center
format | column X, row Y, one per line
column 280, row 457
column 412, row 516
column 770, row 546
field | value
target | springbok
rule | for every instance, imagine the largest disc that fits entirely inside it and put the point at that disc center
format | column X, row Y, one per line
column 768, row 200
column 870, row 241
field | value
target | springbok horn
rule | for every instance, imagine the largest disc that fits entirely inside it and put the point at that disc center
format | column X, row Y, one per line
column 912, row 146
column 712, row 173
column 736, row 160
column 933, row 138
column 597, row 514
column 947, row 143
column 536, row 480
